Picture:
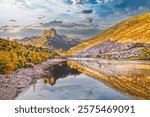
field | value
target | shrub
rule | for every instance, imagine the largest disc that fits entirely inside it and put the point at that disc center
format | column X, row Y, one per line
column 2, row 66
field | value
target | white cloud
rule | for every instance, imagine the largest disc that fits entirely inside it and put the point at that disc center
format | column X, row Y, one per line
column 103, row 1
column 28, row 11
column 29, row 14
column 78, row 2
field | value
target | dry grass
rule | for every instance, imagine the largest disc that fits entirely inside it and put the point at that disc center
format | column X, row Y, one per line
column 133, row 30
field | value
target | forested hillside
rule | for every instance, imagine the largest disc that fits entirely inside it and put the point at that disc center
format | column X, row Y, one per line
column 14, row 56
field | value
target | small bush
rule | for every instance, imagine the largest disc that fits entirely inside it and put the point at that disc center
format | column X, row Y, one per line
column 2, row 66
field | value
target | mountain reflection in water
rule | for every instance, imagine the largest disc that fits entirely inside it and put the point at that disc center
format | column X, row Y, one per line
column 132, row 79
column 61, row 70
column 102, row 80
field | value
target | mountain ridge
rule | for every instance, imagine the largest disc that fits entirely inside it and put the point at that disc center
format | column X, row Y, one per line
column 51, row 39
column 133, row 30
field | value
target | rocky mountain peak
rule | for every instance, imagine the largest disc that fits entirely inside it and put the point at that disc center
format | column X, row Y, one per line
column 51, row 39
column 51, row 33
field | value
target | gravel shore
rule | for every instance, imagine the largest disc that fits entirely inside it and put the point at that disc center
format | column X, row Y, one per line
column 12, row 84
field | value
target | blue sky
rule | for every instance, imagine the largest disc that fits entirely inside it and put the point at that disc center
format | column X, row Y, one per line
column 75, row 18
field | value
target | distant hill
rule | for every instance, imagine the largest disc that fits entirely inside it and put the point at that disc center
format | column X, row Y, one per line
column 52, row 40
column 133, row 33
column 14, row 56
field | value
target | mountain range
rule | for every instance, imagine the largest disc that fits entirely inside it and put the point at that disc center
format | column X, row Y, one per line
column 127, row 38
column 51, row 39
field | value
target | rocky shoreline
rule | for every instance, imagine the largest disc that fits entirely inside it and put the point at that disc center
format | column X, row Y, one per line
column 12, row 84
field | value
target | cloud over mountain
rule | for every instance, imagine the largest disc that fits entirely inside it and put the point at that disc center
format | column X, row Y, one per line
column 68, row 14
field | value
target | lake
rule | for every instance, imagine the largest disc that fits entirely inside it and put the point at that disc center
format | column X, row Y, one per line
column 92, row 79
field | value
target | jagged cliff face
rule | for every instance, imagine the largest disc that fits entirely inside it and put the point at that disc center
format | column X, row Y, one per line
column 51, row 33
column 123, row 36
column 51, row 39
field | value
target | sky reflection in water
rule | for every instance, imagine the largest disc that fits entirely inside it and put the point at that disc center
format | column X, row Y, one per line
column 95, row 80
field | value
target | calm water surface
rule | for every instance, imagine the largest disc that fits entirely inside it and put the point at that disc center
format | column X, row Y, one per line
column 92, row 79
